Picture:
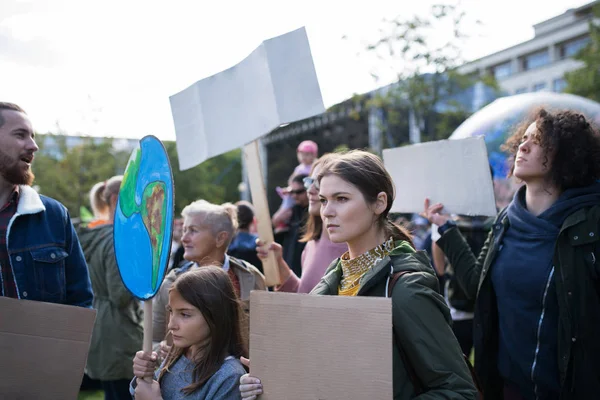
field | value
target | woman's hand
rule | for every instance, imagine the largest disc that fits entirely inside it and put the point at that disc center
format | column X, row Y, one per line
column 250, row 386
column 432, row 213
column 144, row 365
column 147, row 391
column 262, row 251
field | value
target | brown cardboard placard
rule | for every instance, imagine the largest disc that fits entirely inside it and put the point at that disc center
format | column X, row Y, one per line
column 43, row 349
column 321, row 347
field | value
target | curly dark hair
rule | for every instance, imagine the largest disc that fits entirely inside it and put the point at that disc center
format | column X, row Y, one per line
column 570, row 143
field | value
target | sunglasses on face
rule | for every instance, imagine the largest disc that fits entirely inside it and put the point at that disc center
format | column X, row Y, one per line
column 308, row 182
column 297, row 191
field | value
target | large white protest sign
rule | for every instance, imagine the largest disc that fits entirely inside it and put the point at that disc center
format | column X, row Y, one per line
column 275, row 84
column 453, row 172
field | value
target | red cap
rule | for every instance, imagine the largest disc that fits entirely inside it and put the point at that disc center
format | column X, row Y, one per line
column 308, row 146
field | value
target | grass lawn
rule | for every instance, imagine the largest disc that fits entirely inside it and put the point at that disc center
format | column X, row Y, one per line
column 91, row 395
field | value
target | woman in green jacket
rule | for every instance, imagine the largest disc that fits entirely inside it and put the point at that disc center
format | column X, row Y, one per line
column 536, row 280
column 118, row 330
column 356, row 194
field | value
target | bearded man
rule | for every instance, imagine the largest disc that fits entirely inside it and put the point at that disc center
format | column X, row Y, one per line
column 40, row 255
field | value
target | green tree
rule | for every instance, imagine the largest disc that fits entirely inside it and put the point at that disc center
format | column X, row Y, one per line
column 67, row 173
column 215, row 180
column 426, row 73
column 585, row 81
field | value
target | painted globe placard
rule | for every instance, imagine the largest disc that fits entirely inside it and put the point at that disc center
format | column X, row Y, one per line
column 143, row 221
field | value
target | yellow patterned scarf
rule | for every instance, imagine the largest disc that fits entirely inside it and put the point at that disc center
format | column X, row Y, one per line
column 354, row 269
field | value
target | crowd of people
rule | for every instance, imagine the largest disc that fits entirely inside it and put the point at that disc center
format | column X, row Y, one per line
column 522, row 289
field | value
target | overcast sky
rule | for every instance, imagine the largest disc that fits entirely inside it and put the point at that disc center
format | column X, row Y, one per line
column 108, row 68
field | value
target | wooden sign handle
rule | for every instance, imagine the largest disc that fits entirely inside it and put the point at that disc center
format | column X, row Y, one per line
column 261, row 206
column 147, row 346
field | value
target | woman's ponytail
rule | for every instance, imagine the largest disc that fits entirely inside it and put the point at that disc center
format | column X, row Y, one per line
column 398, row 232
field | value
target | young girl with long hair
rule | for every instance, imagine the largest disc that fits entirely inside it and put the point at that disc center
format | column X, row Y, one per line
column 205, row 322
column 356, row 194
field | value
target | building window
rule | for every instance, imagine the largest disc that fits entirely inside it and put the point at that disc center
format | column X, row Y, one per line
column 559, row 85
column 502, row 70
column 571, row 48
column 536, row 60
column 521, row 90
column 539, row 87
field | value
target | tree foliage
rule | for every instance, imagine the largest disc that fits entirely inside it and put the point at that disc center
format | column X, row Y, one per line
column 67, row 171
column 585, row 81
column 216, row 180
column 426, row 72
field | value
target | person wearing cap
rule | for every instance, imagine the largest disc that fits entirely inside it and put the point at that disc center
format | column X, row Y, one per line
column 307, row 153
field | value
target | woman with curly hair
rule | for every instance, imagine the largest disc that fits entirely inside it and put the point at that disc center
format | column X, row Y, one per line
column 536, row 280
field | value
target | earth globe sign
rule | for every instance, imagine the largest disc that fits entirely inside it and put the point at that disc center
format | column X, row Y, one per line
column 144, row 219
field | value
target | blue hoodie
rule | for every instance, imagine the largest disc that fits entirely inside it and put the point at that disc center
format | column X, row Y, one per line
column 523, row 280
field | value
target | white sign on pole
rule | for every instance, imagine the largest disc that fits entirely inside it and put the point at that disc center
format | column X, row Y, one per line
column 276, row 84
column 455, row 173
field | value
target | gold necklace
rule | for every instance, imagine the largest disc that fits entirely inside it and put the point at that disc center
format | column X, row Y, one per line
column 354, row 269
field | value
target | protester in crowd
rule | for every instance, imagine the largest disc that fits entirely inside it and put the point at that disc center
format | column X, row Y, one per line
column 118, row 330
column 307, row 152
column 356, row 195
column 205, row 321
column 100, row 211
column 537, row 319
column 36, row 233
column 319, row 251
column 100, row 208
column 207, row 231
column 243, row 245
column 177, row 249
column 292, row 245
column 475, row 230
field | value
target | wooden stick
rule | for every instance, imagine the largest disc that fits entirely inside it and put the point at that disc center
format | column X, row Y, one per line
column 147, row 347
column 259, row 200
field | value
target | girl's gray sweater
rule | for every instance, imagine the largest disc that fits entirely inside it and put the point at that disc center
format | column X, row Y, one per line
column 223, row 385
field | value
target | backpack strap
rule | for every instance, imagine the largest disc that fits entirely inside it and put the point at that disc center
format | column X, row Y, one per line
column 412, row 374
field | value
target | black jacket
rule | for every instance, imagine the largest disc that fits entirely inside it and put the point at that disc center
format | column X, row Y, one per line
column 577, row 270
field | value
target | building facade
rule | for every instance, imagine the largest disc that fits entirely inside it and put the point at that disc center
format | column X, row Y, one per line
column 539, row 64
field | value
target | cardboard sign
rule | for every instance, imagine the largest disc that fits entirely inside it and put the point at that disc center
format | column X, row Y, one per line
column 321, row 347
column 143, row 222
column 277, row 83
column 43, row 349
column 455, row 173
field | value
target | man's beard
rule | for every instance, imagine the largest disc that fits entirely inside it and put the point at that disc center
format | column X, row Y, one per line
column 14, row 173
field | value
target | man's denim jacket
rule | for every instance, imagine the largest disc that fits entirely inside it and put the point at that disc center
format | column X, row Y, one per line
column 45, row 255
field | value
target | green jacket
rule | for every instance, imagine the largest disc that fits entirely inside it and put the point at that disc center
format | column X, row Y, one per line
column 118, row 330
column 421, row 323
column 577, row 278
